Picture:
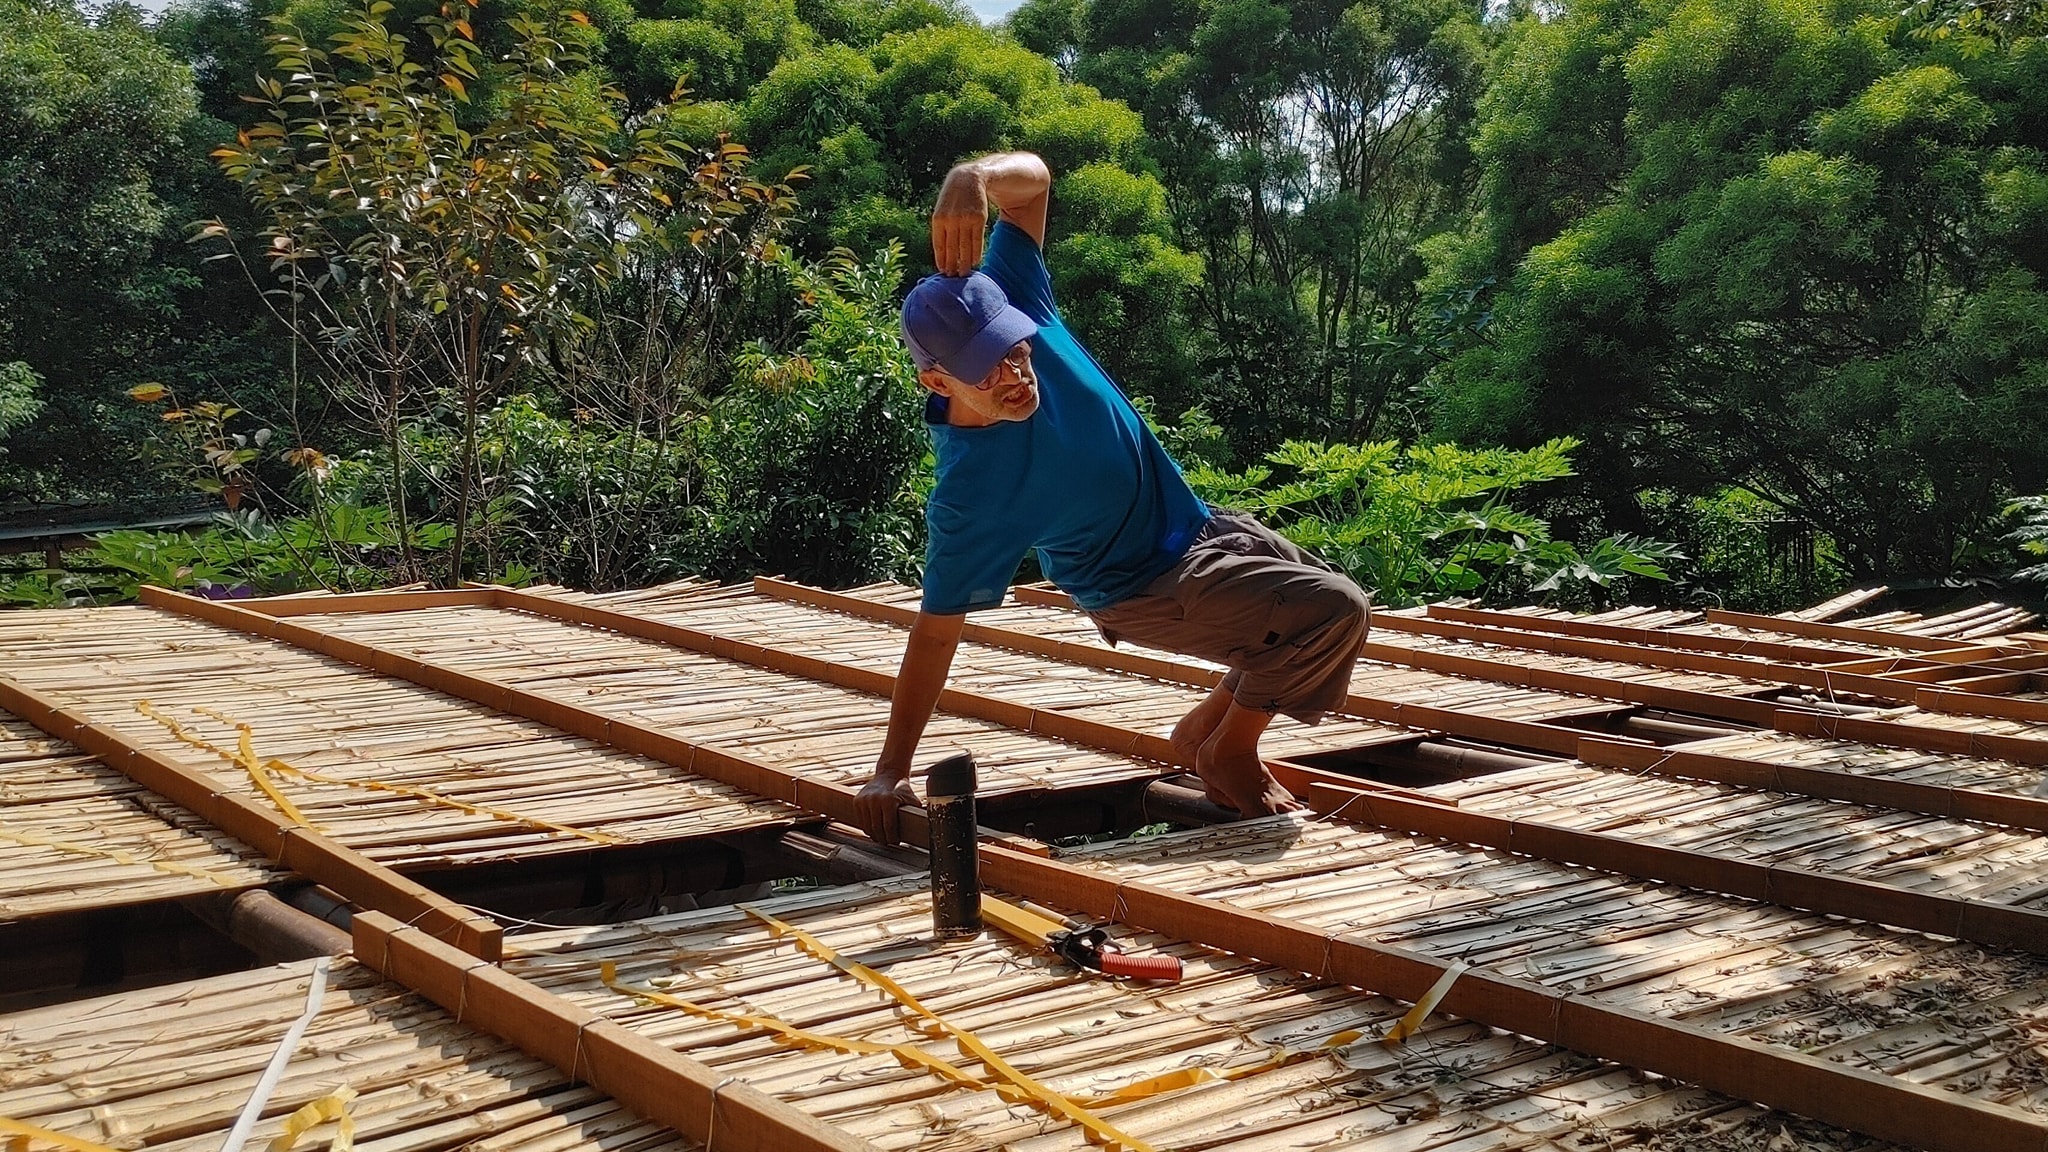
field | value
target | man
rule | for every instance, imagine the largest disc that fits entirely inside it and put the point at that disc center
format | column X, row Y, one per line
column 1037, row 449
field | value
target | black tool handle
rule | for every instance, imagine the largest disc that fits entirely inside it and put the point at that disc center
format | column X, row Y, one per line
column 956, row 872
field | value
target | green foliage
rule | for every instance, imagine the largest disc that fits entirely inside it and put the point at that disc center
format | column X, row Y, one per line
column 2030, row 537
column 1778, row 244
column 1305, row 151
column 1747, row 553
column 1430, row 521
column 434, row 247
column 94, row 119
column 19, row 403
column 810, row 465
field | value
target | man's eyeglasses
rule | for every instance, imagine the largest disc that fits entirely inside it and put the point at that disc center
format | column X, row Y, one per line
column 1014, row 364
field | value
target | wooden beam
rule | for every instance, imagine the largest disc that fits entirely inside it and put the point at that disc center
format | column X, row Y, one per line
column 1828, row 783
column 1886, row 1107
column 1813, row 629
column 653, row 1080
column 1925, row 737
column 311, row 854
column 1518, row 733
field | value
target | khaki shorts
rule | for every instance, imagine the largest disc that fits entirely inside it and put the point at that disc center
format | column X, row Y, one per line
column 1286, row 624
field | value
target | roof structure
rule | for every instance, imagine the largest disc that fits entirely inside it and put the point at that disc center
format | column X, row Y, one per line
column 1656, row 879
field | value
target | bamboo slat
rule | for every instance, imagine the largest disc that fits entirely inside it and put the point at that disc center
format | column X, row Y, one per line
column 1088, row 1038
column 344, row 723
column 64, row 817
column 170, row 1068
column 1738, row 968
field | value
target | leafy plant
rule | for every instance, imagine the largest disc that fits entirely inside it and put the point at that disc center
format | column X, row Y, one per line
column 2031, row 537
column 432, row 244
column 810, row 461
column 1429, row 521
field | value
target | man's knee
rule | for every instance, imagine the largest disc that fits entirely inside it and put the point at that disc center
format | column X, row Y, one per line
column 1348, row 611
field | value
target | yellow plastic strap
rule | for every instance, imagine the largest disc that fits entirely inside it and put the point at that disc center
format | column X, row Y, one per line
column 910, row 1056
column 1407, row 1025
column 246, row 759
column 121, row 856
column 1098, row 1130
column 1189, row 1077
column 436, row 798
column 333, row 1106
column 22, row 1134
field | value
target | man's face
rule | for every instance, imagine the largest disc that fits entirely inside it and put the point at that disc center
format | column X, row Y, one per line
column 1008, row 392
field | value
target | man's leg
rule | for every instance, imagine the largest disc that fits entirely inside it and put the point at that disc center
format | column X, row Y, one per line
column 1229, row 765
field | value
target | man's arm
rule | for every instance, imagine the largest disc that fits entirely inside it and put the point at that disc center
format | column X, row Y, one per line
column 927, row 657
column 1017, row 183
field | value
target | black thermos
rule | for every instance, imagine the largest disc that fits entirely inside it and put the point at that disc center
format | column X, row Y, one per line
column 956, row 872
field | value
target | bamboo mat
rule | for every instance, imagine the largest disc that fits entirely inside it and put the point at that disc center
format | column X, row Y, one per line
column 334, row 719
column 1454, row 1086
column 1479, row 697
column 1135, row 702
column 1947, row 770
column 1921, row 1008
column 1904, row 849
column 170, row 1068
column 1691, row 624
column 821, row 730
column 1371, row 678
column 67, row 820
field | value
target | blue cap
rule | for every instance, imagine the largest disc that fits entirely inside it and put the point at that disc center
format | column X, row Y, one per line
column 963, row 324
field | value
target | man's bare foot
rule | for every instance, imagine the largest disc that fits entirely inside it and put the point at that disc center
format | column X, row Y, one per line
column 1242, row 781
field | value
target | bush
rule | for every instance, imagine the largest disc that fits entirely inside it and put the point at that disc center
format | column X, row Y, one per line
column 1431, row 521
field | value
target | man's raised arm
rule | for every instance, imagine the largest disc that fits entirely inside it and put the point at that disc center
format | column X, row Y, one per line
column 1017, row 183
column 927, row 658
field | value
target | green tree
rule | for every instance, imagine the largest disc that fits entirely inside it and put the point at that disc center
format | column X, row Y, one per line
column 433, row 256
column 95, row 120
column 1777, row 243
column 1306, row 149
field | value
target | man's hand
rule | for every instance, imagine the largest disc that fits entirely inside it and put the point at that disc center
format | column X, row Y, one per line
column 960, row 221
column 878, row 802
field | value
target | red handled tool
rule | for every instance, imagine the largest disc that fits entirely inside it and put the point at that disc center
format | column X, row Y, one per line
column 1083, row 946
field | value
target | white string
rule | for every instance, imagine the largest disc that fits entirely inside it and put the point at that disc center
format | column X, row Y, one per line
column 711, row 1125
column 265, row 1085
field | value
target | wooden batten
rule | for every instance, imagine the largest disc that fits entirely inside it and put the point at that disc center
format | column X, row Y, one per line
column 1817, row 630
column 1754, row 646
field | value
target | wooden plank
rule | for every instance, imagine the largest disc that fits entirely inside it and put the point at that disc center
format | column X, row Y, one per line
column 1926, row 738
column 1878, row 1105
column 663, row 1085
column 300, row 849
column 1817, row 630
column 1519, row 733
column 1661, row 637
column 1840, row 606
column 1832, row 784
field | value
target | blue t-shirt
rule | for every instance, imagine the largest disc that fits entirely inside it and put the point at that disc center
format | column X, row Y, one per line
column 1083, row 480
